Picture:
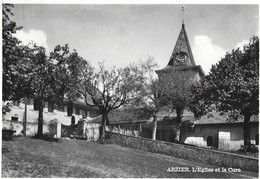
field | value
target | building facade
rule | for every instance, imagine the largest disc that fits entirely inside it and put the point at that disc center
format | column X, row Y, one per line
column 27, row 110
column 218, row 133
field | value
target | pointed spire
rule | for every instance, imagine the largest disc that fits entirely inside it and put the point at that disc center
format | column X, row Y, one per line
column 182, row 57
column 182, row 54
column 182, row 15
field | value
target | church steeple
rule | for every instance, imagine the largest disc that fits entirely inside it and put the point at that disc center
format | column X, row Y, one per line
column 182, row 57
column 182, row 54
column 182, row 15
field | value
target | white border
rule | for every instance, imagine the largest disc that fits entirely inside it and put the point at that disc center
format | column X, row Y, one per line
column 131, row 2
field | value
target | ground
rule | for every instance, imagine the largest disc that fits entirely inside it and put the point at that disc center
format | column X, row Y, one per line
column 26, row 157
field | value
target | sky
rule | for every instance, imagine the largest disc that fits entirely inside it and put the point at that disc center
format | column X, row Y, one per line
column 123, row 33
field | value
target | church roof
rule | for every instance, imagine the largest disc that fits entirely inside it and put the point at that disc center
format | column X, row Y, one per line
column 182, row 57
column 182, row 45
column 125, row 116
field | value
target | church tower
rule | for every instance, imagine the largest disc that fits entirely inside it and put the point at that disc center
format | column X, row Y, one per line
column 182, row 57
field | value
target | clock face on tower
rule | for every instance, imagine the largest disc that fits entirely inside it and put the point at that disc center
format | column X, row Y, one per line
column 179, row 58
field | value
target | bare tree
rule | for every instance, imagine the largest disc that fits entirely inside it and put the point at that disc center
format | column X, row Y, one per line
column 108, row 90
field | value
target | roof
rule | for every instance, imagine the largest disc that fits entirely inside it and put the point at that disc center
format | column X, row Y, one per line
column 123, row 116
column 81, row 103
column 196, row 68
column 183, row 44
column 164, row 115
column 216, row 118
column 182, row 48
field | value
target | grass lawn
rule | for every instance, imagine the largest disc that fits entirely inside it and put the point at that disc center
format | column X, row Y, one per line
column 26, row 157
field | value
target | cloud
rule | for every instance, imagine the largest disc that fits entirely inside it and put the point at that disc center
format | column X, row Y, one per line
column 206, row 53
column 36, row 36
column 241, row 44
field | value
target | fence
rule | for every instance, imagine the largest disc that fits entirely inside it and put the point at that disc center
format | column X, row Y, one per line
column 119, row 130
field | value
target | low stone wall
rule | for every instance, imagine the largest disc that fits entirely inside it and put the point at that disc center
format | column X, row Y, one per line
column 31, row 127
column 223, row 159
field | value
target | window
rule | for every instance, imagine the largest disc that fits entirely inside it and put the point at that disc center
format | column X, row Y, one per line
column 61, row 107
column 257, row 139
column 14, row 118
column 69, row 109
column 50, row 107
column 85, row 114
column 77, row 111
column 16, row 102
column 36, row 104
column 209, row 141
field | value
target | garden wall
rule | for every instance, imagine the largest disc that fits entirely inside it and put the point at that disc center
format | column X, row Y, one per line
column 223, row 159
column 31, row 127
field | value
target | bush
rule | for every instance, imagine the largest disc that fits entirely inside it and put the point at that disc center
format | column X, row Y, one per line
column 7, row 134
column 250, row 148
column 5, row 109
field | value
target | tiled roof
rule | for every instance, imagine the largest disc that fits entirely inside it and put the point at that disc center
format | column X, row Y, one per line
column 216, row 118
column 125, row 116
column 183, row 44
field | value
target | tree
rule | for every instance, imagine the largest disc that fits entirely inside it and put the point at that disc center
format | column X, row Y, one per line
column 170, row 92
column 56, row 77
column 108, row 90
column 28, row 72
column 69, row 70
column 147, row 96
column 176, row 88
column 12, row 53
column 51, row 78
column 40, row 75
column 232, row 86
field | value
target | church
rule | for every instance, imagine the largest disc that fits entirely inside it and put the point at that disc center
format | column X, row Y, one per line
column 180, row 68
column 211, row 130
column 182, row 58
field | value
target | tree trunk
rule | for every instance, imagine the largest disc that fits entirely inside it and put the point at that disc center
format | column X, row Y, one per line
column 25, row 120
column 103, row 126
column 40, row 120
column 177, row 134
column 179, row 112
column 154, row 127
column 246, row 127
